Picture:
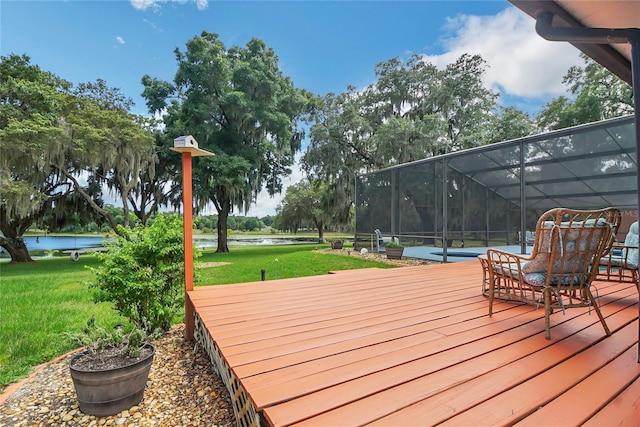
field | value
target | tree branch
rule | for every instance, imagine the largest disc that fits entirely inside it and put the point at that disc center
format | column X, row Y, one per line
column 87, row 197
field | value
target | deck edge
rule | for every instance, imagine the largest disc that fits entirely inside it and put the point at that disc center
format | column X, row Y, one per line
column 245, row 413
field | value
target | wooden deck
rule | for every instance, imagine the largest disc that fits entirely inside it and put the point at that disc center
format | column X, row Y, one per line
column 415, row 346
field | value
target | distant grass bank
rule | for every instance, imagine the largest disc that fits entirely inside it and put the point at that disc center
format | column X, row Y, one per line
column 40, row 302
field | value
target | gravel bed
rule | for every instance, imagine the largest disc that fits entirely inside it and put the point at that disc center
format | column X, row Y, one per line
column 405, row 261
column 183, row 390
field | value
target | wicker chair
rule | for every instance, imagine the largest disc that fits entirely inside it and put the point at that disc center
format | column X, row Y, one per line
column 558, row 274
column 621, row 263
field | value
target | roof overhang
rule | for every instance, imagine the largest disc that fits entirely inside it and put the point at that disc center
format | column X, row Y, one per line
column 592, row 14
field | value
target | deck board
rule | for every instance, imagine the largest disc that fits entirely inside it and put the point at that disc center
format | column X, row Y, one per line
column 623, row 411
column 415, row 345
column 612, row 377
column 466, row 374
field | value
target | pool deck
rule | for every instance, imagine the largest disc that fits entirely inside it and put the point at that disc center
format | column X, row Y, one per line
column 435, row 253
column 415, row 346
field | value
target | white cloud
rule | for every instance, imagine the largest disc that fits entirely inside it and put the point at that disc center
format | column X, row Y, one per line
column 521, row 63
column 120, row 40
column 155, row 4
column 142, row 4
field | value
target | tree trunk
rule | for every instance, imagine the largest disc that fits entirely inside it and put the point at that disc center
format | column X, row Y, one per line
column 11, row 240
column 17, row 249
column 320, row 226
column 223, row 215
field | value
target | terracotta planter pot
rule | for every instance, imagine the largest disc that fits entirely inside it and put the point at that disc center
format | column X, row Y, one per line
column 394, row 252
column 108, row 392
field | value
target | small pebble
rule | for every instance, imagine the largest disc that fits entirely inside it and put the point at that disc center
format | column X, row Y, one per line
column 48, row 397
column 372, row 256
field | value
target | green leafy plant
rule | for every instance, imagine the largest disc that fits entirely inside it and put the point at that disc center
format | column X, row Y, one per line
column 96, row 338
column 394, row 244
column 142, row 274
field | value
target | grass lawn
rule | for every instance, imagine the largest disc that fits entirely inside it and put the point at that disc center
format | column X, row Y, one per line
column 40, row 302
column 278, row 261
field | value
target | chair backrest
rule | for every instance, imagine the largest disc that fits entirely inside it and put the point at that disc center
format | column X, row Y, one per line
column 529, row 236
column 631, row 241
column 569, row 243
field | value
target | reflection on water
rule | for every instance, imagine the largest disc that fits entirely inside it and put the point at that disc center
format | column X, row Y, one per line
column 42, row 244
column 48, row 245
column 61, row 243
column 207, row 242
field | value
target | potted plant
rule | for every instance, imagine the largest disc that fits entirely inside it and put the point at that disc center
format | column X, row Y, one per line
column 111, row 373
column 142, row 275
column 336, row 244
column 394, row 250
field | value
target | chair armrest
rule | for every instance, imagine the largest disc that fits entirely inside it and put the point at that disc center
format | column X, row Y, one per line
column 619, row 249
column 618, row 256
column 506, row 276
column 496, row 256
column 506, row 264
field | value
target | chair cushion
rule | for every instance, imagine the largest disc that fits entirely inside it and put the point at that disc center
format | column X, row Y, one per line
column 626, row 256
column 541, row 260
column 539, row 279
column 508, row 270
column 564, row 263
column 537, row 264
column 632, row 240
column 617, row 261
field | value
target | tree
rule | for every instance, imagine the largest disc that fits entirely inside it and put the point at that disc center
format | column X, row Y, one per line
column 412, row 111
column 237, row 104
column 303, row 202
column 206, row 223
column 598, row 95
column 511, row 123
column 30, row 123
column 267, row 220
column 109, row 145
column 58, row 148
column 156, row 185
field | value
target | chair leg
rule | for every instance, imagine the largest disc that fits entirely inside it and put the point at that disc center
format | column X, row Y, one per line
column 595, row 306
column 547, row 312
column 491, row 295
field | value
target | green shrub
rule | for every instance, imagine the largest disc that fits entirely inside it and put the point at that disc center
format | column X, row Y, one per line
column 95, row 339
column 142, row 274
column 394, row 244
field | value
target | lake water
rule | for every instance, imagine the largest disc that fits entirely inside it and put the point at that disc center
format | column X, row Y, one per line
column 62, row 243
column 207, row 242
column 68, row 243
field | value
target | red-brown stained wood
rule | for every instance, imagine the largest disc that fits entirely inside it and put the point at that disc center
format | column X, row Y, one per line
column 415, row 346
column 612, row 377
column 623, row 411
column 453, row 386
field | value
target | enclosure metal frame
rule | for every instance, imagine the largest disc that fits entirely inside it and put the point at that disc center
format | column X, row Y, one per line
column 524, row 202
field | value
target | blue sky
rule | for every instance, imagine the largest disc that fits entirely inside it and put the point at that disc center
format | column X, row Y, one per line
column 324, row 46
